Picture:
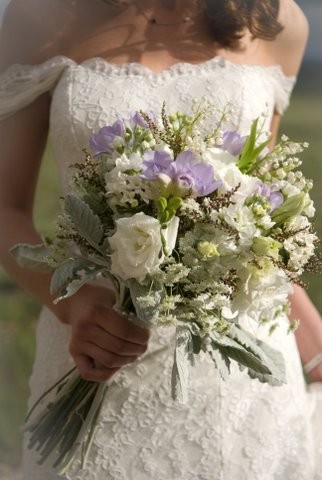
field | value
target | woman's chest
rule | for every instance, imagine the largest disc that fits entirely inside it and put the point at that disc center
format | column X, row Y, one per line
column 92, row 95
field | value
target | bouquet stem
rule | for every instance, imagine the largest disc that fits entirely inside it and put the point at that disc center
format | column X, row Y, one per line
column 68, row 422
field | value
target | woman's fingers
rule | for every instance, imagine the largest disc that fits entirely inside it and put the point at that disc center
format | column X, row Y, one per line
column 106, row 358
column 90, row 372
column 119, row 326
column 101, row 336
column 98, row 336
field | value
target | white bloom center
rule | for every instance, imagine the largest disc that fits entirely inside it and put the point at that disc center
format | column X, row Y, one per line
column 136, row 247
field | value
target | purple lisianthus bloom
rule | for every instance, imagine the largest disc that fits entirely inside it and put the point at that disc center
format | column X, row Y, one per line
column 233, row 142
column 155, row 163
column 274, row 197
column 102, row 142
column 189, row 175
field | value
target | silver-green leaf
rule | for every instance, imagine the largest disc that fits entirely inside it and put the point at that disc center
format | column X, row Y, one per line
column 262, row 361
column 72, row 269
column 147, row 314
column 72, row 287
column 32, row 256
column 221, row 362
column 87, row 224
column 183, row 359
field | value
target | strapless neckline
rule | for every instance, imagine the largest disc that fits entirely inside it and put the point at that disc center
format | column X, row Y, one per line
column 137, row 68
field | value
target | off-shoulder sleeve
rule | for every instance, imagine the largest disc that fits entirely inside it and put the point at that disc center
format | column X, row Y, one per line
column 20, row 85
column 283, row 87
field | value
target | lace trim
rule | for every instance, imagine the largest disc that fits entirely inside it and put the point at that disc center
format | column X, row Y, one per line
column 283, row 84
column 134, row 68
column 21, row 84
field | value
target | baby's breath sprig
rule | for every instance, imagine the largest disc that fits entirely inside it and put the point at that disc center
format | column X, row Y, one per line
column 222, row 224
column 278, row 163
column 209, row 204
column 314, row 264
column 215, row 136
column 281, row 235
column 79, row 241
column 169, row 135
column 230, row 279
column 292, row 274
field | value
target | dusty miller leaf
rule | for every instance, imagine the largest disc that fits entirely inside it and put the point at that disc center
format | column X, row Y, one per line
column 221, row 362
column 71, row 269
column 74, row 286
column 147, row 314
column 87, row 224
column 278, row 376
column 269, row 356
column 262, row 361
column 234, row 350
column 32, row 256
column 183, row 358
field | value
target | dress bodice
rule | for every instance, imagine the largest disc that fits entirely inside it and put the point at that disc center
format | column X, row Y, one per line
column 89, row 95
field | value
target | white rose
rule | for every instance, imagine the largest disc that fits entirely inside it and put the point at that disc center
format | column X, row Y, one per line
column 136, row 247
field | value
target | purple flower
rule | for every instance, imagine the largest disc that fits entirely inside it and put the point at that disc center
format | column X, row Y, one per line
column 233, row 142
column 269, row 191
column 276, row 199
column 155, row 163
column 186, row 175
column 102, row 142
column 192, row 176
column 136, row 120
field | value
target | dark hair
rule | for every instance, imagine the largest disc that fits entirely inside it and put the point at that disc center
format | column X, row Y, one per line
column 228, row 19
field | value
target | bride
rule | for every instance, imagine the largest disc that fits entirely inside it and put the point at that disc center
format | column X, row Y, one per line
column 67, row 67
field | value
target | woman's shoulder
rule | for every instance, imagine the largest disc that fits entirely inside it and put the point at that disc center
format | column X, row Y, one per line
column 295, row 23
column 289, row 46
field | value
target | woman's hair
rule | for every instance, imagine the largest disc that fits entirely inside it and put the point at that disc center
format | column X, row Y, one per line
column 228, row 19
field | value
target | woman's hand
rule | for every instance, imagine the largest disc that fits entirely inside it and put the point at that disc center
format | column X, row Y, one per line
column 102, row 340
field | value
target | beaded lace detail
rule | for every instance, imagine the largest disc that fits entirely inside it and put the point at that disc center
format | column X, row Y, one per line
column 234, row 430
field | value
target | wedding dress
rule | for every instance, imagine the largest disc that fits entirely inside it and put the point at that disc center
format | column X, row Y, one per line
column 234, row 430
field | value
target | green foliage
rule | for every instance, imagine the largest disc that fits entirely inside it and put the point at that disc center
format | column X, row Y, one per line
column 292, row 207
column 31, row 256
column 167, row 208
column 71, row 275
column 183, row 358
column 86, row 223
column 261, row 361
column 251, row 151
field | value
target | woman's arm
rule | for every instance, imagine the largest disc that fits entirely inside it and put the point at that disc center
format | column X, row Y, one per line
column 98, row 334
column 309, row 333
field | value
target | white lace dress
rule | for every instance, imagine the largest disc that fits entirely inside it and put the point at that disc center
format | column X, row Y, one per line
column 234, row 430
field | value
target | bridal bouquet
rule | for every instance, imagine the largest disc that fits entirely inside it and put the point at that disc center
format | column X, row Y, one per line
column 199, row 229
